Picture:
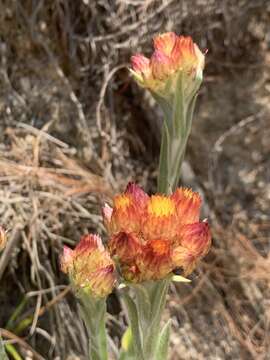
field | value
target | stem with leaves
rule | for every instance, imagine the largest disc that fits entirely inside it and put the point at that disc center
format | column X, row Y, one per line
column 145, row 308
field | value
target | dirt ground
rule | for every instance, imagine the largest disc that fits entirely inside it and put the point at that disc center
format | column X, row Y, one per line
column 75, row 129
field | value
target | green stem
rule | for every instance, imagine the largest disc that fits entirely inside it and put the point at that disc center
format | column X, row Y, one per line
column 144, row 312
column 93, row 312
column 175, row 133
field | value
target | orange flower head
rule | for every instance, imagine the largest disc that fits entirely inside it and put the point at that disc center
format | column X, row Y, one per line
column 193, row 244
column 89, row 267
column 150, row 236
column 126, row 247
column 155, row 262
column 3, row 238
column 188, row 204
column 128, row 210
column 160, row 218
column 172, row 54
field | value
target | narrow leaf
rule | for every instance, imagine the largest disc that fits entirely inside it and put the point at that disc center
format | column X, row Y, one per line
column 179, row 278
column 163, row 343
column 178, row 116
column 134, row 323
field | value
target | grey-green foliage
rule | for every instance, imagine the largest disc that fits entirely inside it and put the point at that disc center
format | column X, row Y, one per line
column 3, row 355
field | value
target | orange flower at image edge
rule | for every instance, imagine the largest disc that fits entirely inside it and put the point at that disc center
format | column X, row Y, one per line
column 3, row 238
column 150, row 236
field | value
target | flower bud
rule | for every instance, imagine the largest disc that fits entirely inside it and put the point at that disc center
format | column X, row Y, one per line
column 172, row 55
column 141, row 68
column 89, row 267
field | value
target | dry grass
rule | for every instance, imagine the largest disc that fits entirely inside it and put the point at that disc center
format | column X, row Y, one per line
column 74, row 130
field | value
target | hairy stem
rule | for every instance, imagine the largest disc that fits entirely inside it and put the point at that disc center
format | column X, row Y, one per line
column 93, row 312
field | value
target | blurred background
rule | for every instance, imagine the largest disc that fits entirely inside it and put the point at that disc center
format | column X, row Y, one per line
column 75, row 129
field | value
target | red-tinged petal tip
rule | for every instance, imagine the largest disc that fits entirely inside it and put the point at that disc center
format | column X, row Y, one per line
column 161, row 65
column 107, row 216
column 88, row 243
column 196, row 237
column 140, row 63
column 137, row 193
column 66, row 259
column 102, row 281
column 107, row 212
column 193, row 244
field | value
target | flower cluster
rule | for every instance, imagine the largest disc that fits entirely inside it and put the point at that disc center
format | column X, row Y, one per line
column 173, row 54
column 89, row 266
column 150, row 236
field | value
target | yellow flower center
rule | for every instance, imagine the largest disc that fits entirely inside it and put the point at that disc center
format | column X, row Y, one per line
column 161, row 206
column 122, row 201
column 160, row 247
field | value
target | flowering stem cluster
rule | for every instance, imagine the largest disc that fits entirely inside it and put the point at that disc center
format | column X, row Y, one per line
column 150, row 237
